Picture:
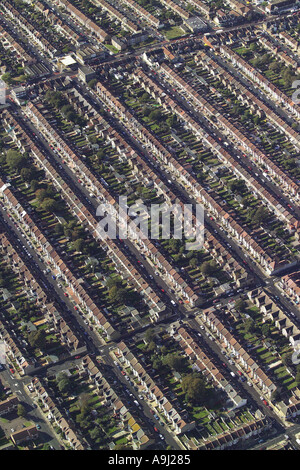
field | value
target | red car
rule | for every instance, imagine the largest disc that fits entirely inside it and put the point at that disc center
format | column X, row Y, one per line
column 66, row 295
column 155, row 429
column 12, row 370
column 123, row 373
column 75, row 308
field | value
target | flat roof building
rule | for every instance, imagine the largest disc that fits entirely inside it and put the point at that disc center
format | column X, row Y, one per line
column 196, row 24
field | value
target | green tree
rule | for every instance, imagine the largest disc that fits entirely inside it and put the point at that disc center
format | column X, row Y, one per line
column 93, row 139
column 172, row 121
column 208, row 267
column 95, row 434
column 151, row 347
column 146, row 110
column 7, row 78
column 156, row 362
column 46, row 446
column 249, row 325
column 253, row 46
column 21, row 410
column 144, row 98
column 44, row 193
column 117, row 294
column 55, row 98
column 297, row 377
column 34, row 185
column 15, row 160
column 155, row 115
column 26, row 174
column 92, row 83
column 194, row 388
column 175, row 362
column 274, row 67
column 287, row 359
column 122, row 447
column 237, row 186
column 240, row 305
column 37, row 339
column 63, row 382
column 78, row 244
column 260, row 215
column 49, row 205
column 58, row 229
column 100, row 154
column 193, row 263
column 84, row 404
column 265, row 330
column 149, row 335
column 264, row 59
column 173, row 245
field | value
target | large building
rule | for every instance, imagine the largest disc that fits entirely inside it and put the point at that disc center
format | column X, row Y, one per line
column 279, row 4
column 85, row 73
column 196, row 25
